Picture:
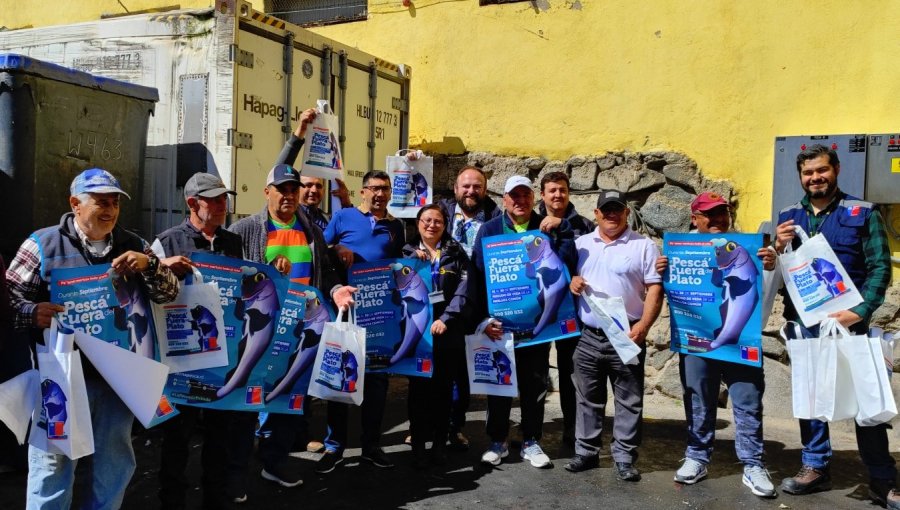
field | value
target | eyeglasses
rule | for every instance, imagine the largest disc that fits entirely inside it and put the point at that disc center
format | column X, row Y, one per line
column 378, row 189
column 432, row 223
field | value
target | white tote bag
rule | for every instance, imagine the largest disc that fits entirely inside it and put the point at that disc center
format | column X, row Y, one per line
column 338, row 374
column 772, row 282
column 610, row 313
column 816, row 280
column 191, row 329
column 871, row 379
column 411, row 182
column 491, row 364
column 322, row 148
column 62, row 417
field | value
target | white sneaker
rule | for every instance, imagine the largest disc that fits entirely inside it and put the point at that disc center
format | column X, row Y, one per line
column 532, row 452
column 757, row 478
column 690, row 472
column 495, row 454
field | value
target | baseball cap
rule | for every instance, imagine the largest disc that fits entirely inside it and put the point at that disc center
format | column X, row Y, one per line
column 610, row 196
column 516, row 181
column 95, row 180
column 205, row 185
column 282, row 173
column 708, row 200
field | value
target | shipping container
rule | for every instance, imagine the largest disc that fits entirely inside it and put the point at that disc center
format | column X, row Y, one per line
column 231, row 83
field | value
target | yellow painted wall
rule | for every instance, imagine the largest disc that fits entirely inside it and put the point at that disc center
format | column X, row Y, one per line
column 714, row 79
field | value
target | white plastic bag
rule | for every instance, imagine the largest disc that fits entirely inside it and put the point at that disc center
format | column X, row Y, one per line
column 338, row 374
column 610, row 313
column 871, row 380
column 816, row 280
column 18, row 397
column 191, row 329
column 411, row 180
column 322, row 148
column 772, row 282
column 61, row 423
column 491, row 364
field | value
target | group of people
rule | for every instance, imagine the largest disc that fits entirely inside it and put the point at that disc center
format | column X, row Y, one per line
column 603, row 255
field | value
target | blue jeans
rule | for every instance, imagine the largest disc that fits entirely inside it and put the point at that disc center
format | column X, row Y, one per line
column 374, row 397
column 51, row 476
column 872, row 442
column 700, row 378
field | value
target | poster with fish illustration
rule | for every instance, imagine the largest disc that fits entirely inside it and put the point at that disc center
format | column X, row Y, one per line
column 304, row 313
column 528, row 288
column 392, row 304
column 251, row 296
column 714, row 287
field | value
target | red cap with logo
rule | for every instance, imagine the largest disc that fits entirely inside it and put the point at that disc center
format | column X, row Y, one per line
column 708, row 200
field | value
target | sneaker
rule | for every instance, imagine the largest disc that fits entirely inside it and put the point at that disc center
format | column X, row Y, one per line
column 495, row 454
column 581, row 463
column 807, row 481
column 281, row 476
column 626, row 472
column 459, row 442
column 328, row 462
column 757, row 478
column 532, row 452
column 376, row 457
column 690, row 472
column 239, row 498
column 880, row 489
column 892, row 501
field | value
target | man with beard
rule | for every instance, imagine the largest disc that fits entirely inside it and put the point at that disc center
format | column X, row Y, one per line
column 855, row 230
column 468, row 211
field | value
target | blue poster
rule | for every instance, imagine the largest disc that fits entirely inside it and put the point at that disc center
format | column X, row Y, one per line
column 304, row 313
column 528, row 288
column 392, row 304
column 714, row 287
column 251, row 298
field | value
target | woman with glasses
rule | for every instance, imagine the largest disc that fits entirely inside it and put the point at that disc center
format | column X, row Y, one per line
column 429, row 399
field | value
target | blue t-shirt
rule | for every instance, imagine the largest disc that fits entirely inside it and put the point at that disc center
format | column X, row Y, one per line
column 367, row 237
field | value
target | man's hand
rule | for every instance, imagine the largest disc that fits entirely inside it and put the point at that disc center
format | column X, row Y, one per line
column 345, row 255
column 549, row 223
column 662, row 263
column 342, row 193
column 130, row 262
column 179, row 264
column 638, row 333
column 306, row 117
column 784, row 235
column 578, row 285
column 438, row 327
column 767, row 255
column 44, row 312
column 846, row 318
column 282, row 264
column 343, row 297
column 494, row 330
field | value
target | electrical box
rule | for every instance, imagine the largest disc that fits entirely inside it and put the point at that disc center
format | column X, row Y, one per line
column 883, row 169
column 851, row 151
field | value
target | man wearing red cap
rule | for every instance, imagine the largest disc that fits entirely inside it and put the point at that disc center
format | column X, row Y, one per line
column 701, row 378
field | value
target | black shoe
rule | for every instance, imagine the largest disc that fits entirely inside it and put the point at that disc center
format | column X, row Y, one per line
column 419, row 456
column 459, row 442
column 581, row 463
column 281, row 475
column 626, row 472
column 376, row 457
column 328, row 462
column 880, row 488
column 807, row 481
column 438, row 455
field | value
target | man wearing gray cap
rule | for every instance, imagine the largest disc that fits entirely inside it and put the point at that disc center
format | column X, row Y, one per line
column 86, row 236
column 613, row 261
column 532, row 363
column 207, row 199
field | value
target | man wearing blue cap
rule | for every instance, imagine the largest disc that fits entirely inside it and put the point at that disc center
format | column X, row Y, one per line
column 86, row 236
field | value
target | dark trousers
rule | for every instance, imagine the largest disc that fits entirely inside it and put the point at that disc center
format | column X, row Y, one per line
column 700, row 378
column 430, row 398
column 241, row 434
column 283, row 430
column 597, row 362
column 565, row 350
column 461, row 396
column 176, row 450
column 532, row 371
column 374, row 397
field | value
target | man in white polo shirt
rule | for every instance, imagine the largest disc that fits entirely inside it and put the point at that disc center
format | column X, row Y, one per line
column 613, row 261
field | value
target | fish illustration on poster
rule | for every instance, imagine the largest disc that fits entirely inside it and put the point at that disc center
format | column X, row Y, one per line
column 304, row 313
column 392, row 304
column 528, row 288
column 714, row 287
column 251, row 299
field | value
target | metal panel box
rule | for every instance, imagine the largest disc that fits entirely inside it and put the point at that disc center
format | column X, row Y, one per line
column 883, row 169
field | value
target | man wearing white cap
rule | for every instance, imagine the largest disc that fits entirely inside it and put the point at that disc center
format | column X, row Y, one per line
column 532, row 363
column 86, row 236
